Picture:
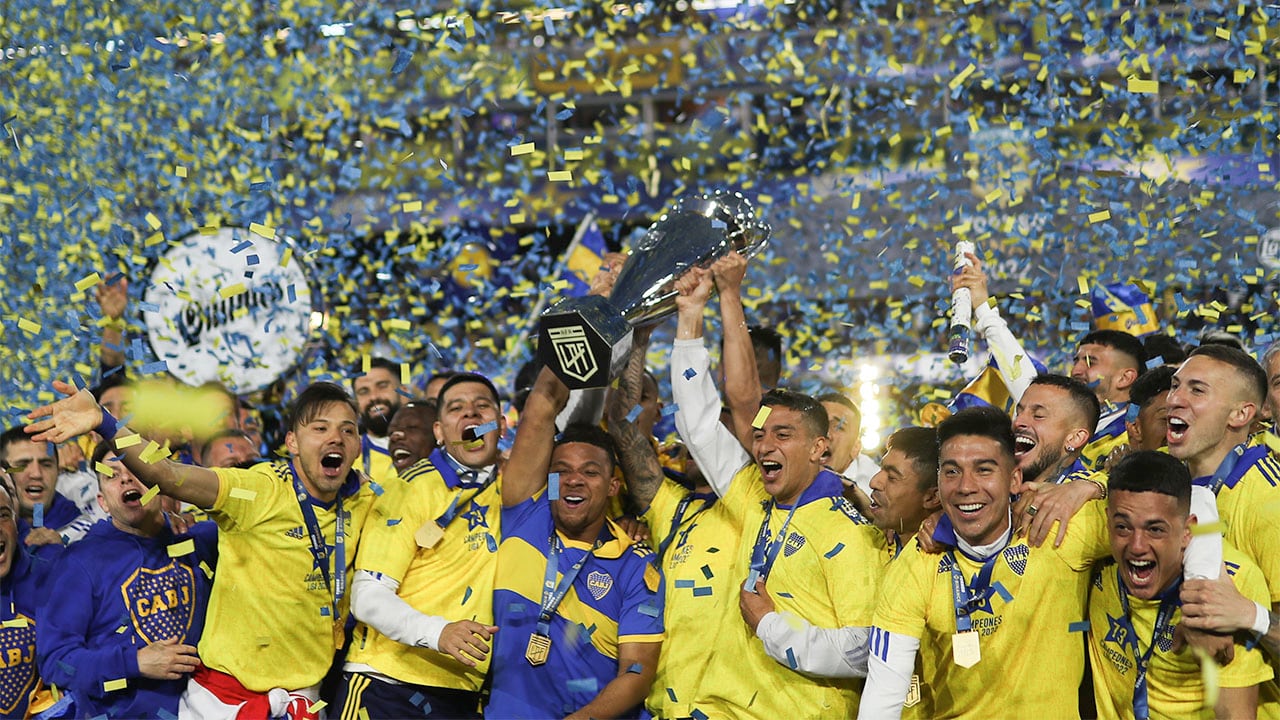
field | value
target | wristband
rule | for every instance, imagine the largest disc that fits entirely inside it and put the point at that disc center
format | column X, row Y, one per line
column 108, row 427
column 1262, row 623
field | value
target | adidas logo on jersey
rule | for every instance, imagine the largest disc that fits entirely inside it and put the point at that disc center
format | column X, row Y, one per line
column 296, row 533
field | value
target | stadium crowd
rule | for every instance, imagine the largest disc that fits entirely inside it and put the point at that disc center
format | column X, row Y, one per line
column 1103, row 542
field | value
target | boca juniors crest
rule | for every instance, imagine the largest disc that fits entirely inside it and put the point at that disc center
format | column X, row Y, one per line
column 160, row 601
column 599, row 584
column 17, row 662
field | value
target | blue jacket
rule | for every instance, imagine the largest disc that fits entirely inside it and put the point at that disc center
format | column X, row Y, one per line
column 22, row 591
column 118, row 593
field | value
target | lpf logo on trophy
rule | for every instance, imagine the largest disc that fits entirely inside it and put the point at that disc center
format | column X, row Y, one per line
column 585, row 340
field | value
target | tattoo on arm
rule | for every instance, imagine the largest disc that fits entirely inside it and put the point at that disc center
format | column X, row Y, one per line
column 635, row 452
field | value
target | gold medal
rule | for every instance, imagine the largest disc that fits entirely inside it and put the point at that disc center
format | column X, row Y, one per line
column 539, row 648
column 965, row 650
column 428, row 535
column 913, row 692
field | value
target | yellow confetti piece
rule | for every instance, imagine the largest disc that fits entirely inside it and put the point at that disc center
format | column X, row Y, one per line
column 1083, row 283
column 286, row 257
column 153, row 239
column 186, row 547
column 406, row 372
column 366, row 363
column 14, row 623
column 152, row 221
column 522, row 149
column 88, row 281
column 1100, row 216
column 104, row 469
column 232, row 290
column 571, row 155
column 180, row 171
column 150, row 494
column 559, row 175
column 262, row 230
column 413, row 206
column 1146, row 87
column 317, row 706
column 208, row 571
column 113, row 685
column 1208, row 528
column 397, row 324
column 128, row 441
column 28, row 326
column 243, row 494
column 761, row 417
column 962, row 76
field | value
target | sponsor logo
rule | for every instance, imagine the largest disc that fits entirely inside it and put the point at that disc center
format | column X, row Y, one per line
column 573, row 352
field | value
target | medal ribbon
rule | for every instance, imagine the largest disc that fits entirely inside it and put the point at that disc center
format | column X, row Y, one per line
column 337, row 583
column 1169, row 602
column 552, row 593
column 765, row 552
column 963, row 597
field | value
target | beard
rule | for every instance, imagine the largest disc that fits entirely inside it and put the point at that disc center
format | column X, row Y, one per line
column 1046, row 463
column 375, row 422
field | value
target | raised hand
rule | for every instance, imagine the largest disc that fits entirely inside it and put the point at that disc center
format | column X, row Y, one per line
column 75, row 414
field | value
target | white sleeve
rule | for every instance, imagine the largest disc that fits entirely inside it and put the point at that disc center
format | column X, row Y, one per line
column 889, row 668
column 715, row 449
column 822, row 652
column 1203, row 558
column 1016, row 368
column 75, row 530
column 375, row 603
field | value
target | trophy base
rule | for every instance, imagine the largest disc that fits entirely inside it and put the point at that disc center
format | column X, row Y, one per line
column 584, row 340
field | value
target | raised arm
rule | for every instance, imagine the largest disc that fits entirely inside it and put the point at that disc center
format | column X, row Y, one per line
column 741, row 377
column 712, row 446
column 1012, row 360
column 526, row 471
column 636, row 454
column 78, row 412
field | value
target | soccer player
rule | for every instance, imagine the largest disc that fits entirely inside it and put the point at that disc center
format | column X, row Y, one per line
column 411, row 435
column 1109, row 361
column 695, row 535
column 811, row 564
column 48, row 519
column 24, row 589
column 423, row 589
column 1134, row 603
column 1214, row 398
column 905, row 490
column 119, row 636
column 289, row 529
column 228, row 448
column 1150, row 397
column 579, row 606
column 971, row 610
column 377, row 394
column 844, row 457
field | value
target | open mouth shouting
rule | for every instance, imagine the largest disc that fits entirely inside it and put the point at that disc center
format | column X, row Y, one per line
column 401, row 458
column 1177, row 430
column 770, row 470
column 572, row 501
column 331, row 464
column 1023, row 443
column 131, row 497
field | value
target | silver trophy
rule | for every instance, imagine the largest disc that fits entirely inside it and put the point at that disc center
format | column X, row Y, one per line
column 585, row 340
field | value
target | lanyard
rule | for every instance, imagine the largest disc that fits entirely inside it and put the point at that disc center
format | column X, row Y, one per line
column 966, row 600
column 366, row 452
column 1168, row 604
column 1225, row 468
column 337, row 584
column 678, row 519
column 766, row 551
column 552, row 593
column 455, row 506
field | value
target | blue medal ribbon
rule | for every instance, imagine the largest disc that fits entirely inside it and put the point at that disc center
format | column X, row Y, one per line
column 678, row 519
column 765, row 552
column 454, row 507
column 1169, row 602
column 552, row 593
column 968, row 598
column 337, row 582
column 1225, row 468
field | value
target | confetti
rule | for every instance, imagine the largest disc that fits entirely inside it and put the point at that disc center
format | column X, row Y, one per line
column 113, row 685
column 245, row 494
column 553, row 486
column 762, row 415
column 1082, row 626
column 186, row 547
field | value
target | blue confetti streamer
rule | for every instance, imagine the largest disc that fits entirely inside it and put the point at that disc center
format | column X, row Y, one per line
column 553, row 486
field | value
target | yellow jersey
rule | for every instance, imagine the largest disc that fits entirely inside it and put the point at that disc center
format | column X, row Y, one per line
column 827, row 572
column 270, row 621
column 452, row 579
column 1032, row 593
column 697, row 552
column 1175, row 689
